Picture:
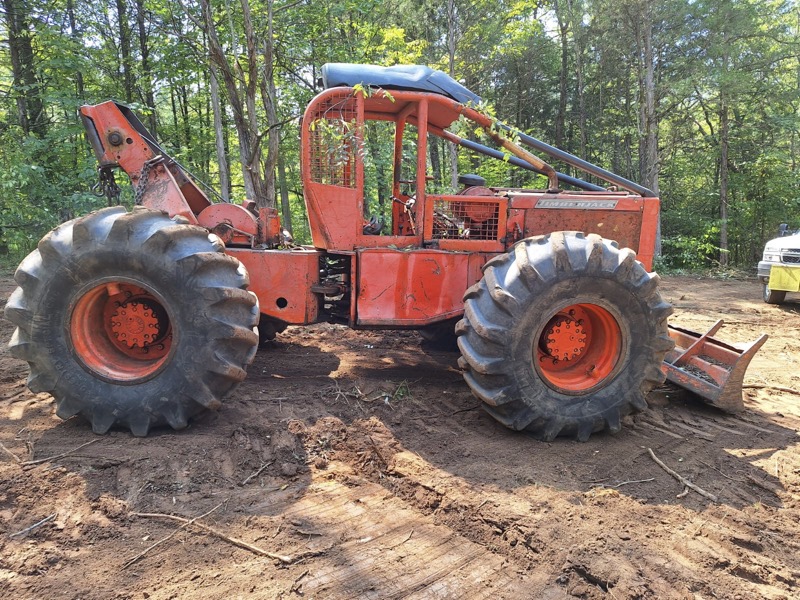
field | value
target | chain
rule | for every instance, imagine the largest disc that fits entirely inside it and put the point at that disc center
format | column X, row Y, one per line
column 142, row 184
column 107, row 186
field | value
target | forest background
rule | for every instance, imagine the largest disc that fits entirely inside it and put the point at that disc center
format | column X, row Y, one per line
column 697, row 99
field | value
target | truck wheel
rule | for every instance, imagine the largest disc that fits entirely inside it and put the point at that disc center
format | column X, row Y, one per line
column 132, row 319
column 773, row 296
column 564, row 335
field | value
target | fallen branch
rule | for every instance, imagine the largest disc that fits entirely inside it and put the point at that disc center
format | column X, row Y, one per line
column 30, row 463
column 34, row 526
column 287, row 560
column 763, row 485
column 378, row 452
column 721, row 473
column 16, row 458
column 408, row 537
column 257, row 473
column 297, row 585
column 682, row 479
column 142, row 554
column 632, row 481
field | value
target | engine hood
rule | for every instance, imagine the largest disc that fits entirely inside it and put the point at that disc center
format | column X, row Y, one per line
column 784, row 243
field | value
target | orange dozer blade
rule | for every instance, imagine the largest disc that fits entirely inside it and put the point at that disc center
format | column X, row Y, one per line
column 708, row 367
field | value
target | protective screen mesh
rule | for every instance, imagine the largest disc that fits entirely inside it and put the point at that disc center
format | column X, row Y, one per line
column 333, row 142
column 465, row 220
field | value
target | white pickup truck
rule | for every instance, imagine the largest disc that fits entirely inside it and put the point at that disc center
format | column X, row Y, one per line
column 779, row 269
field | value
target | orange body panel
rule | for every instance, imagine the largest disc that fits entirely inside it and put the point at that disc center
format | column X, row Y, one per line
column 162, row 193
column 231, row 222
column 333, row 215
column 122, row 145
column 397, row 288
column 282, row 280
column 629, row 220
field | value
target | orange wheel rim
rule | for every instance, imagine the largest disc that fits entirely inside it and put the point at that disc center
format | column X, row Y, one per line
column 121, row 331
column 579, row 347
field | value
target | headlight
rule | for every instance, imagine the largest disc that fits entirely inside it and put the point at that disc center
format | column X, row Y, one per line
column 772, row 256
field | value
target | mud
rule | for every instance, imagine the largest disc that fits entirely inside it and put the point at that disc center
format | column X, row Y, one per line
column 362, row 464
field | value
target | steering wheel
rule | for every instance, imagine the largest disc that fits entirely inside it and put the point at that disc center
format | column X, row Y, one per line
column 408, row 204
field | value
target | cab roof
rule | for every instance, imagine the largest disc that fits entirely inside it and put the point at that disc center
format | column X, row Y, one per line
column 400, row 77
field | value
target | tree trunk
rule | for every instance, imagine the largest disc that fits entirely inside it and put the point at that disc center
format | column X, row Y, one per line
column 561, row 115
column 247, row 135
column 219, row 137
column 649, row 165
column 146, row 80
column 724, row 126
column 75, row 35
column 183, row 104
column 436, row 161
column 268, row 95
column 125, row 49
column 30, row 110
column 286, row 211
column 576, row 20
column 452, row 32
column 174, row 110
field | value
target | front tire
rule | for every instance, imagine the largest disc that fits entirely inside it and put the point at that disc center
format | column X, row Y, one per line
column 564, row 335
column 773, row 296
column 133, row 319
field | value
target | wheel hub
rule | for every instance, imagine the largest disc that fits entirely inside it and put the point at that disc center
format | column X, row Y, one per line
column 121, row 331
column 134, row 324
column 564, row 337
column 578, row 348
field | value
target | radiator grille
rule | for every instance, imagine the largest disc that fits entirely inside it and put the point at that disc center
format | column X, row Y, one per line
column 461, row 220
column 791, row 258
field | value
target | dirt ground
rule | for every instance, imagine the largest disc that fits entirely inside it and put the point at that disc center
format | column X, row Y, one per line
column 356, row 465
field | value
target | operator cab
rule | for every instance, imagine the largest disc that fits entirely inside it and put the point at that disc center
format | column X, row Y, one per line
column 376, row 164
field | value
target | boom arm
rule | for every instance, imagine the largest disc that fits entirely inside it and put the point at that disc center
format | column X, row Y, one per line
column 119, row 139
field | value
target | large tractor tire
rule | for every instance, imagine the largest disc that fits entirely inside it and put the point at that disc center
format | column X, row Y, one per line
column 564, row 335
column 133, row 319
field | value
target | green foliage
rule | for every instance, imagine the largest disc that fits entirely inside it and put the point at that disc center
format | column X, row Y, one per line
column 567, row 72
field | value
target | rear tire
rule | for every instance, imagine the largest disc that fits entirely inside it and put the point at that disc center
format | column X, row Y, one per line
column 133, row 319
column 773, row 296
column 564, row 335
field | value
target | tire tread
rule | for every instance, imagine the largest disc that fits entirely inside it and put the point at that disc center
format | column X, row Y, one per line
column 512, row 279
column 226, row 311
